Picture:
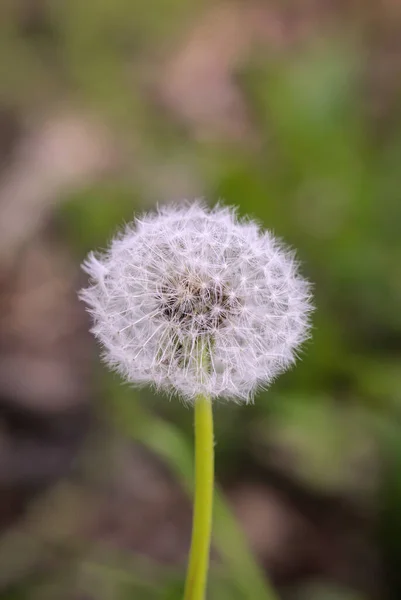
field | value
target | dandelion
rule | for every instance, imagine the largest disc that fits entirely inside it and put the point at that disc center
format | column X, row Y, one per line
column 199, row 303
column 188, row 281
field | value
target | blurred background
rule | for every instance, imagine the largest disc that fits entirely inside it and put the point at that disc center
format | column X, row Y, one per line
column 290, row 110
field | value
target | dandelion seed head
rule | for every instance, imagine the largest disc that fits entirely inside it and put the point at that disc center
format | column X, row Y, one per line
column 195, row 301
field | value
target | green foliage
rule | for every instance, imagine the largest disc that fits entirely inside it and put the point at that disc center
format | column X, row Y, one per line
column 321, row 177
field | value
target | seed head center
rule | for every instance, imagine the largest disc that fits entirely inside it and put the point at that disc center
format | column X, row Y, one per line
column 195, row 304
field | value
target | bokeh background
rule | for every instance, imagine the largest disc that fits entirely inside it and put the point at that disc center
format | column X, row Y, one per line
column 290, row 110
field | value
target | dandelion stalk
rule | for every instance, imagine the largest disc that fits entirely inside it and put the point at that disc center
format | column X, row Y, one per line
column 195, row 586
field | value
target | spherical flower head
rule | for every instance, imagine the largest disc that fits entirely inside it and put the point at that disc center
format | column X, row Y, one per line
column 195, row 301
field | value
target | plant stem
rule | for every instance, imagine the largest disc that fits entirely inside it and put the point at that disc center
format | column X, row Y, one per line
column 195, row 586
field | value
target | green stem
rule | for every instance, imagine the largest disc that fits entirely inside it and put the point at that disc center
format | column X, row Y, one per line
column 195, row 586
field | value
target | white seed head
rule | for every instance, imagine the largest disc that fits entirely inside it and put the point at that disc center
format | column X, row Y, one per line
column 195, row 301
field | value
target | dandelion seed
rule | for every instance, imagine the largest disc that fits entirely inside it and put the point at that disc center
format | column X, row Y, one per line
column 187, row 277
